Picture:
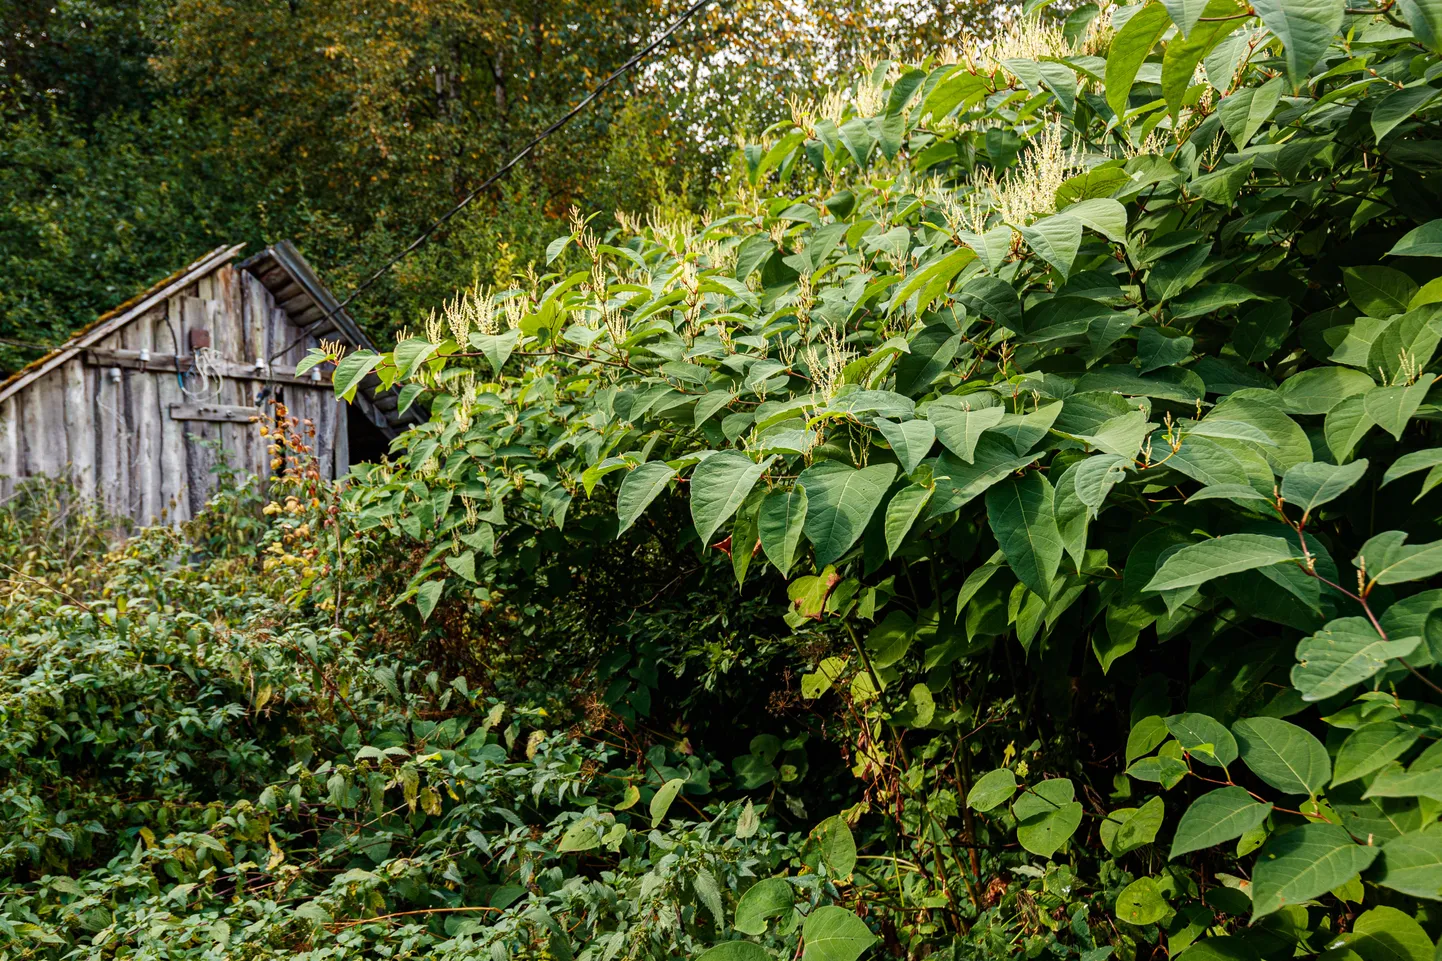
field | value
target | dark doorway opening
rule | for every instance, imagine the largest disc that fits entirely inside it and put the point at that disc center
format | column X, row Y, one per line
column 367, row 444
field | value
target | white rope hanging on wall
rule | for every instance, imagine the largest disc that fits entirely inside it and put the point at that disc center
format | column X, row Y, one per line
column 204, row 366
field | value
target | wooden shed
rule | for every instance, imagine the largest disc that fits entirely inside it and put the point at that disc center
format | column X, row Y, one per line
column 135, row 408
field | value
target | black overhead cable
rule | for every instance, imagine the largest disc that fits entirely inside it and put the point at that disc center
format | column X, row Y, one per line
column 28, row 345
column 508, row 166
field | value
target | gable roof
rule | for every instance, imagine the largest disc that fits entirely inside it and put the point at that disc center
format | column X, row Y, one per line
column 314, row 309
column 112, row 320
column 299, row 292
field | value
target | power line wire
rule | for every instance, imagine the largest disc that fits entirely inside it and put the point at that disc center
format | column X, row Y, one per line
column 509, row 165
column 27, row 344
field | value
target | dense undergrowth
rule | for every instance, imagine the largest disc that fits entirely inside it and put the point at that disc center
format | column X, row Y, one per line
column 1005, row 527
column 198, row 763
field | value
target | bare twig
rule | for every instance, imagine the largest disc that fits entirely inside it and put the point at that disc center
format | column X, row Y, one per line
column 338, row 925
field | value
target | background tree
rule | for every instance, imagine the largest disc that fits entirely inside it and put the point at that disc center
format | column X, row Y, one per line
column 136, row 133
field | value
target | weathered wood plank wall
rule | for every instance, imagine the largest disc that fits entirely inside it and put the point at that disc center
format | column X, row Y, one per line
column 110, row 430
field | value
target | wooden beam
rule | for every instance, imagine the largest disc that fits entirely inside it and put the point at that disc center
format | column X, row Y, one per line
column 290, row 291
column 290, row 303
column 227, row 413
column 271, row 274
column 130, row 360
column 308, row 316
column 173, row 363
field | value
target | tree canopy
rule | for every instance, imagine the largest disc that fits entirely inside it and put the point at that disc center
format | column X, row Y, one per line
column 136, row 134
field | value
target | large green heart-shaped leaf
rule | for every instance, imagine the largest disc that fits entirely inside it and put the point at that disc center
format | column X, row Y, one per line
column 351, row 370
column 1141, row 902
column 638, row 489
column 463, row 564
column 901, row 513
column 837, row 845
column 779, row 525
column 958, row 483
column 1412, row 864
column 1279, row 438
column 1223, row 460
column 1055, row 239
column 910, row 440
column 1185, row 13
column 1425, row 18
column 1391, row 408
column 1122, row 435
column 1309, row 486
column 1370, row 747
column 1129, row 49
column 827, row 673
column 1244, row 111
column 1345, row 652
column 1320, row 389
column 771, row 898
column 1095, row 477
column 1047, row 815
column 1388, row 559
column 427, row 596
column 497, row 347
column 1305, row 863
column 991, row 789
column 1413, row 462
column 1398, row 105
column 411, row 353
column 1283, row 754
column 710, row 404
column 1379, row 291
column 1423, row 241
column 993, row 297
column 889, row 641
column 1215, row 817
column 833, row 933
column 961, row 86
column 661, row 800
column 582, row 835
column 1422, row 779
column 1146, row 734
column 959, row 426
column 1179, row 62
column 1387, row 934
column 1021, row 516
column 1346, row 425
column 719, row 485
column 1126, row 829
column 1102, row 214
column 1228, row 554
column 1407, row 344
column 840, row 502
column 735, row 951
column 1204, row 737
column 1026, row 430
column 1226, row 947
column 1101, row 181
column 1306, row 29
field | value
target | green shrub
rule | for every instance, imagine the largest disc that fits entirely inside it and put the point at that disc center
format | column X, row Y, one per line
column 47, row 532
column 197, row 763
column 1080, row 405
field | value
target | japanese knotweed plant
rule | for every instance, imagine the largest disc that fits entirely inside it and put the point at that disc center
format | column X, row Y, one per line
column 1084, row 406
